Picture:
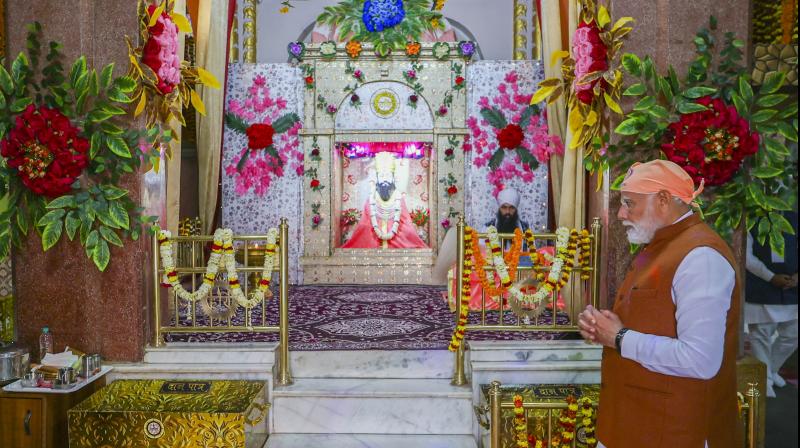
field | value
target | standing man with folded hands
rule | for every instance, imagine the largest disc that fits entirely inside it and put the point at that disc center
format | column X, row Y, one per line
column 670, row 341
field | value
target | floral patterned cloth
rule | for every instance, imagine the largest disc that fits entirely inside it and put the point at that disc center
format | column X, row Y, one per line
column 261, row 93
column 486, row 81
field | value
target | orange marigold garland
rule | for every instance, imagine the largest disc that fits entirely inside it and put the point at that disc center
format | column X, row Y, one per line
column 585, row 254
column 463, row 311
column 568, row 255
column 511, row 258
column 588, row 415
column 520, row 426
column 567, row 423
column 353, row 48
column 537, row 259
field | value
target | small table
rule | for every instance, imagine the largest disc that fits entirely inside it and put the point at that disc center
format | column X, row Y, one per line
column 37, row 417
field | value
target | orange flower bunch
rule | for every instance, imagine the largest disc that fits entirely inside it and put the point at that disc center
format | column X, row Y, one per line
column 413, row 49
column 586, row 253
column 520, row 426
column 353, row 48
column 463, row 311
column 511, row 258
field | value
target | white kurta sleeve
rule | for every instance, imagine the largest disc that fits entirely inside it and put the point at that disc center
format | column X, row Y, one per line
column 701, row 291
column 754, row 265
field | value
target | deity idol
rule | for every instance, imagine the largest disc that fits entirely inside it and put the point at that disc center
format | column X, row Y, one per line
column 385, row 222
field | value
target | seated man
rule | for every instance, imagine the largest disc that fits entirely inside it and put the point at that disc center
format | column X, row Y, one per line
column 385, row 222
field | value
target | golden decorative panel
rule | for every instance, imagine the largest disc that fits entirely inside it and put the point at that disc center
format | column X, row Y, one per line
column 136, row 413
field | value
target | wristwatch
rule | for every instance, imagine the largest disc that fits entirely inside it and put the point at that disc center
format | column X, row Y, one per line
column 618, row 339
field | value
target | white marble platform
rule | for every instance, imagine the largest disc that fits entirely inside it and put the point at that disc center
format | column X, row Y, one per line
column 372, row 364
column 372, row 406
column 212, row 353
column 369, row 441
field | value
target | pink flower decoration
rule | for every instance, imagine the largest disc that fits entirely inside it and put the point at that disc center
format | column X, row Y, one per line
column 261, row 168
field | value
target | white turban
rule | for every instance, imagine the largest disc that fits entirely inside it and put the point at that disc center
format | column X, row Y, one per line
column 508, row 196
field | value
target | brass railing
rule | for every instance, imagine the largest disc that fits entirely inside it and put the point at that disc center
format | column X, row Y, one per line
column 181, row 316
column 490, row 415
column 578, row 293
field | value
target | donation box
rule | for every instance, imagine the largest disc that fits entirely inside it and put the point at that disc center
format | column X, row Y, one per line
column 158, row 413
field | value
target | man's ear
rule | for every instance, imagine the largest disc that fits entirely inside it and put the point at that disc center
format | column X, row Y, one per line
column 664, row 197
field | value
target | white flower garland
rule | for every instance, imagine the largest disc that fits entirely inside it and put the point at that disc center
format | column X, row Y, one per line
column 223, row 242
column 546, row 287
column 384, row 236
column 262, row 290
column 171, row 276
column 497, row 257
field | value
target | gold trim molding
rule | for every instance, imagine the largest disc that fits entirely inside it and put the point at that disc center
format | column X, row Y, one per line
column 520, row 29
column 249, row 31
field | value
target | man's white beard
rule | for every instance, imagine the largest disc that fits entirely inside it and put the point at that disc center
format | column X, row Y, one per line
column 643, row 231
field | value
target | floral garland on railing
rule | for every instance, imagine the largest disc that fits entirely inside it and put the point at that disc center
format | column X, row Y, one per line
column 221, row 248
column 505, row 265
column 567, row 423
column 558, row 276
column 588, row 415
column 586, row 254
column 170, row 278
column 463, row 309
column 520, row 425
column 262, row 290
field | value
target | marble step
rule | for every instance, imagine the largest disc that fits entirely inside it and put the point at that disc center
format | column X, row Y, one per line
column 212, row 353
column 372, row 364
column 530, row 352
column 186, row 371
column 369, row 441
column 372, row 406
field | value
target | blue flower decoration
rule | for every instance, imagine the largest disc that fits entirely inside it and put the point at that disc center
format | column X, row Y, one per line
column 379, row 15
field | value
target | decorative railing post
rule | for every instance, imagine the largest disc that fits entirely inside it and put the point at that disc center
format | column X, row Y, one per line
column 597, row 246
column 249, row 28
column 752, row 414
column 494, row 421
column 459, row 377
column 156, row 304
column 284, row 374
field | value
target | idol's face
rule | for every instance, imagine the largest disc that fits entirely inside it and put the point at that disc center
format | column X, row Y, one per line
column 385, row 189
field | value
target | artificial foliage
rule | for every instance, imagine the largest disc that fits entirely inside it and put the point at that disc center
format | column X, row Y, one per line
column 720, row 129
column 66, row 145
column 387, row 24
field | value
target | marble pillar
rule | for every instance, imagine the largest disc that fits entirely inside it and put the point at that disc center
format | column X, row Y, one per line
column 84, row 308
column 664, row 29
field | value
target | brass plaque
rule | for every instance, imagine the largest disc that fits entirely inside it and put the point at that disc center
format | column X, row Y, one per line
column 185, row 387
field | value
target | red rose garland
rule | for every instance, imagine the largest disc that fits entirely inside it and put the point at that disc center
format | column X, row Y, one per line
column 510, row 137
column 46, row 150
column 591, row 55
column 710, row 144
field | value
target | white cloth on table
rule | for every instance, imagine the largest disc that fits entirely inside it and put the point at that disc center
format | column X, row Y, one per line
column 701, row 312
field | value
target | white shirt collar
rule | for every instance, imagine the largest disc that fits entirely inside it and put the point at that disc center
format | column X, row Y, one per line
column 686, row 215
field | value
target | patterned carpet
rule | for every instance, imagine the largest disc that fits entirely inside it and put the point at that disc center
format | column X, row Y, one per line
column 357, row 317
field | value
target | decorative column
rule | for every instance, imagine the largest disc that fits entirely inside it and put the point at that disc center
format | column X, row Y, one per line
column 249, row 27
column 95, row 312
column 520, row 29
column 234, row 49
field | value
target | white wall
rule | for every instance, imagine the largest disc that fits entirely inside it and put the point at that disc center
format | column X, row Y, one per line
column 490, row 21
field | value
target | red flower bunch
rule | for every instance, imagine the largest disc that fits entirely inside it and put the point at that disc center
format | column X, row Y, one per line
column 46, row 150
column 459, row 80
column 315, row 183
column 160, row 52
column 710, row 144
column 510, row 137
column 591, row 55
column 259, row 135
column 452, row 190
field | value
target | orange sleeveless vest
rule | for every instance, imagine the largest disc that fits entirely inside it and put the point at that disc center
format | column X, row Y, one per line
column 643, row 409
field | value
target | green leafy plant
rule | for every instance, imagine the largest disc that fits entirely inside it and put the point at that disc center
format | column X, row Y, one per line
column 95, row 209
column 347, row 16
column 763, row 186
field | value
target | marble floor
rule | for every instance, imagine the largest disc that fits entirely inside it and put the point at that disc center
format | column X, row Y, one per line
column 369, row 441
